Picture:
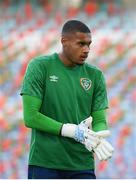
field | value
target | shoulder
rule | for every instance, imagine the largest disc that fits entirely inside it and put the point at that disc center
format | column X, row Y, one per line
column 41, row 62
column 93, row 69
column 42, row 59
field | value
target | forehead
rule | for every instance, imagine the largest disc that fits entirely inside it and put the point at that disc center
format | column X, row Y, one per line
column 80, row 36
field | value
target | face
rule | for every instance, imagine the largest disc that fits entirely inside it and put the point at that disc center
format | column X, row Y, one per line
column 76, row 48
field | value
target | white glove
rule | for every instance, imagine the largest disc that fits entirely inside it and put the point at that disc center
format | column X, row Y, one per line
column 81, row 133
column 104, row 150
column 101, row 134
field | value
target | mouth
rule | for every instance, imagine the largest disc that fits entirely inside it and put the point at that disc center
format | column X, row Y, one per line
column 83, row 57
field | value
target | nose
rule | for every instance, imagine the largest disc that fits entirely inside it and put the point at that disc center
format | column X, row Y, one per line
column 86, row 49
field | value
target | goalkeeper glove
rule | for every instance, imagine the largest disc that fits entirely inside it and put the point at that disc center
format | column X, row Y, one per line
column 104, row 150
column 81, row 133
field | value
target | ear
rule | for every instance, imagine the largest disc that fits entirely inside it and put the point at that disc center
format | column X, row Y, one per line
column 64, row 41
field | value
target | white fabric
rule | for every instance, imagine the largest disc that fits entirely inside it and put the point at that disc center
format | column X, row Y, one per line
column 104, row 150
column 68, row 130
column 103, row 133
column 100, row 134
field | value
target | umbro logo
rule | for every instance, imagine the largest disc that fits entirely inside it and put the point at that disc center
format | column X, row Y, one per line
column 53, row 78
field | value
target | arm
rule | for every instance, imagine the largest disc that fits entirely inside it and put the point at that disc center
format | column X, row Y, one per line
column 34, row 119
column 99, row 120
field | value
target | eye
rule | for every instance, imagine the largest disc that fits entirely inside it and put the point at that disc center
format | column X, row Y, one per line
column 81, row 44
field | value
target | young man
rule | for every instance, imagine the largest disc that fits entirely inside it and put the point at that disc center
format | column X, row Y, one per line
column 60, row 94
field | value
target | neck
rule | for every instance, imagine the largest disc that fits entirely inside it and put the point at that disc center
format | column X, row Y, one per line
column 65, row 60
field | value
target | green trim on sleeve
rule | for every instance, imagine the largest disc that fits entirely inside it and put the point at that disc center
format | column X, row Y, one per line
column 99, row 120
column 34, row 119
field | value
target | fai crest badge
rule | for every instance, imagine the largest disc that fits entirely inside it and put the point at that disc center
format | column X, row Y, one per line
column 85, row 83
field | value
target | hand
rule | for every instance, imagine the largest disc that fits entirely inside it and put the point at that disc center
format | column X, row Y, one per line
column 85, row 135
column 100, row 135
column 104, row 150
column 81, row 133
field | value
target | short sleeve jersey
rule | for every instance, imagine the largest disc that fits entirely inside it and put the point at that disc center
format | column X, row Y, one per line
column 69, row 95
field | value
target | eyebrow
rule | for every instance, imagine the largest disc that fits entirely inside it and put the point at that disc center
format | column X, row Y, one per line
column 84, row 42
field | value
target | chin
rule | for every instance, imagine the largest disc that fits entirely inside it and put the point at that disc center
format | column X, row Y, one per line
column 80, row 62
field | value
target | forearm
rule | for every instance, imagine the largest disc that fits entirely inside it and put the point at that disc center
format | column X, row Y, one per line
column 34, row 119
column 99, row 120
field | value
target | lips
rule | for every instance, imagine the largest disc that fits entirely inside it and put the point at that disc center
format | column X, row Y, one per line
column 84, row 57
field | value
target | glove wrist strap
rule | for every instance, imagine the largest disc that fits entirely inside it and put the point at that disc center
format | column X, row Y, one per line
column 68, row 130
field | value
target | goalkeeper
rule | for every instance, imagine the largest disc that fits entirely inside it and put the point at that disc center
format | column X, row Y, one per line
column 64, row 103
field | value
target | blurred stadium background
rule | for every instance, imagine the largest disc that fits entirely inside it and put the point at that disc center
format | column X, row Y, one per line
column 31, row 28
